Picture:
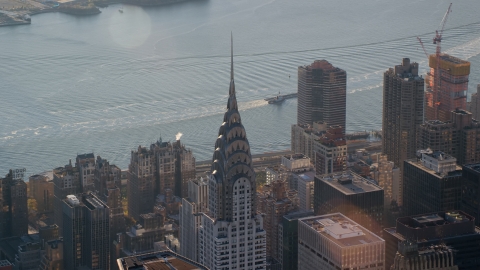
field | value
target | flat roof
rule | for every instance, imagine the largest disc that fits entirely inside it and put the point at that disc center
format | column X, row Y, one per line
column 295, row 157
column 439, row 155
column 341, row 230
column 349, row 182
column 452, row 59
column 418, row 164
column 306, row 176
column 164, row 260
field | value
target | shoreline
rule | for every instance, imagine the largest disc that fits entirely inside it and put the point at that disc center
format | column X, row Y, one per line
column 84, row 12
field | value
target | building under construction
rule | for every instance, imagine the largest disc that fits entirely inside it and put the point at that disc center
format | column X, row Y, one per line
column 451, row 93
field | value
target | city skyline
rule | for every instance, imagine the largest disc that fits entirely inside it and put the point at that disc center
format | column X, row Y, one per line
column 96, row 120
column 336, row 199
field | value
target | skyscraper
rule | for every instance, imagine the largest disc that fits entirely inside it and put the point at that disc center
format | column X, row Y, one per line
column 164, row 168
column 431, row 183
column 231, row 235
column 274, row 201
column 352, row 195
column 41, row 189
column 474, row 105
column 13, row 206
column 86, row 232
column 86, row 168
column 402, row 112
column 409, row 256
column 471, row 191
column 459, row 137
column 66, row 181
column 141, row 182
column 322, row 94
column 454, row 229
column 334, row 241
column 190, row 220
column 288, row 234
column 452, row 93
column 175, row 166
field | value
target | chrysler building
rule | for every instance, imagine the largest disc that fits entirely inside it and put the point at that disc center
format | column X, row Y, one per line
column 231, row 234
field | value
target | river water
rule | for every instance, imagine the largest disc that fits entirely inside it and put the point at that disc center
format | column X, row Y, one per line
column 110, row 82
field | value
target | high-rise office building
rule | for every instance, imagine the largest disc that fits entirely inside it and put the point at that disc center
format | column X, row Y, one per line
column 13, row 203
column 352, row 195
column 106, row 176
column 432, row 183
column 86, row 232
column 41, row 189
column 66, row 181
column 141, row 182
column 474, row 105
column 471, row 191
column 190, row 220
column 403, row 92
column 19, row 207
column 459, row 137
column 107, row 181
column 387, row 176
column 288, row 235
column 334, row 241
column 86, row 168
column 231, row 235
column 409, row 256
column 322, row 94
column 305, row 186
column 453, row 82
column 164, row 168
column 175, row 166
column 274, row 201
column 330, row 151
column 455, row 229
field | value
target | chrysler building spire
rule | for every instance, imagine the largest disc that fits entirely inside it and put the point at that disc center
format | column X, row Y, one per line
column 231, row 56
column 232, row 212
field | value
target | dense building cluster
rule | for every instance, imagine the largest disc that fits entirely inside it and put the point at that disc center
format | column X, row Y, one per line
column 335, row 201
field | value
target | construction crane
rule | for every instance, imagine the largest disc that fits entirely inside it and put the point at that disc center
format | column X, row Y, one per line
column 436, row 75
column 423, row 47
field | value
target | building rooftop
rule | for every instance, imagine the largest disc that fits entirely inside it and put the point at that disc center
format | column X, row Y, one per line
column 73, row 200
column 439, row 155
column 419, row 164
column 164, row 260
column 306, row 176
column 295, row 156
column 452, row 59
column 298, row 214
column 341, row 230
column 349, row 182
column 88, row 200
column 86, row 156
column 434, row 226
